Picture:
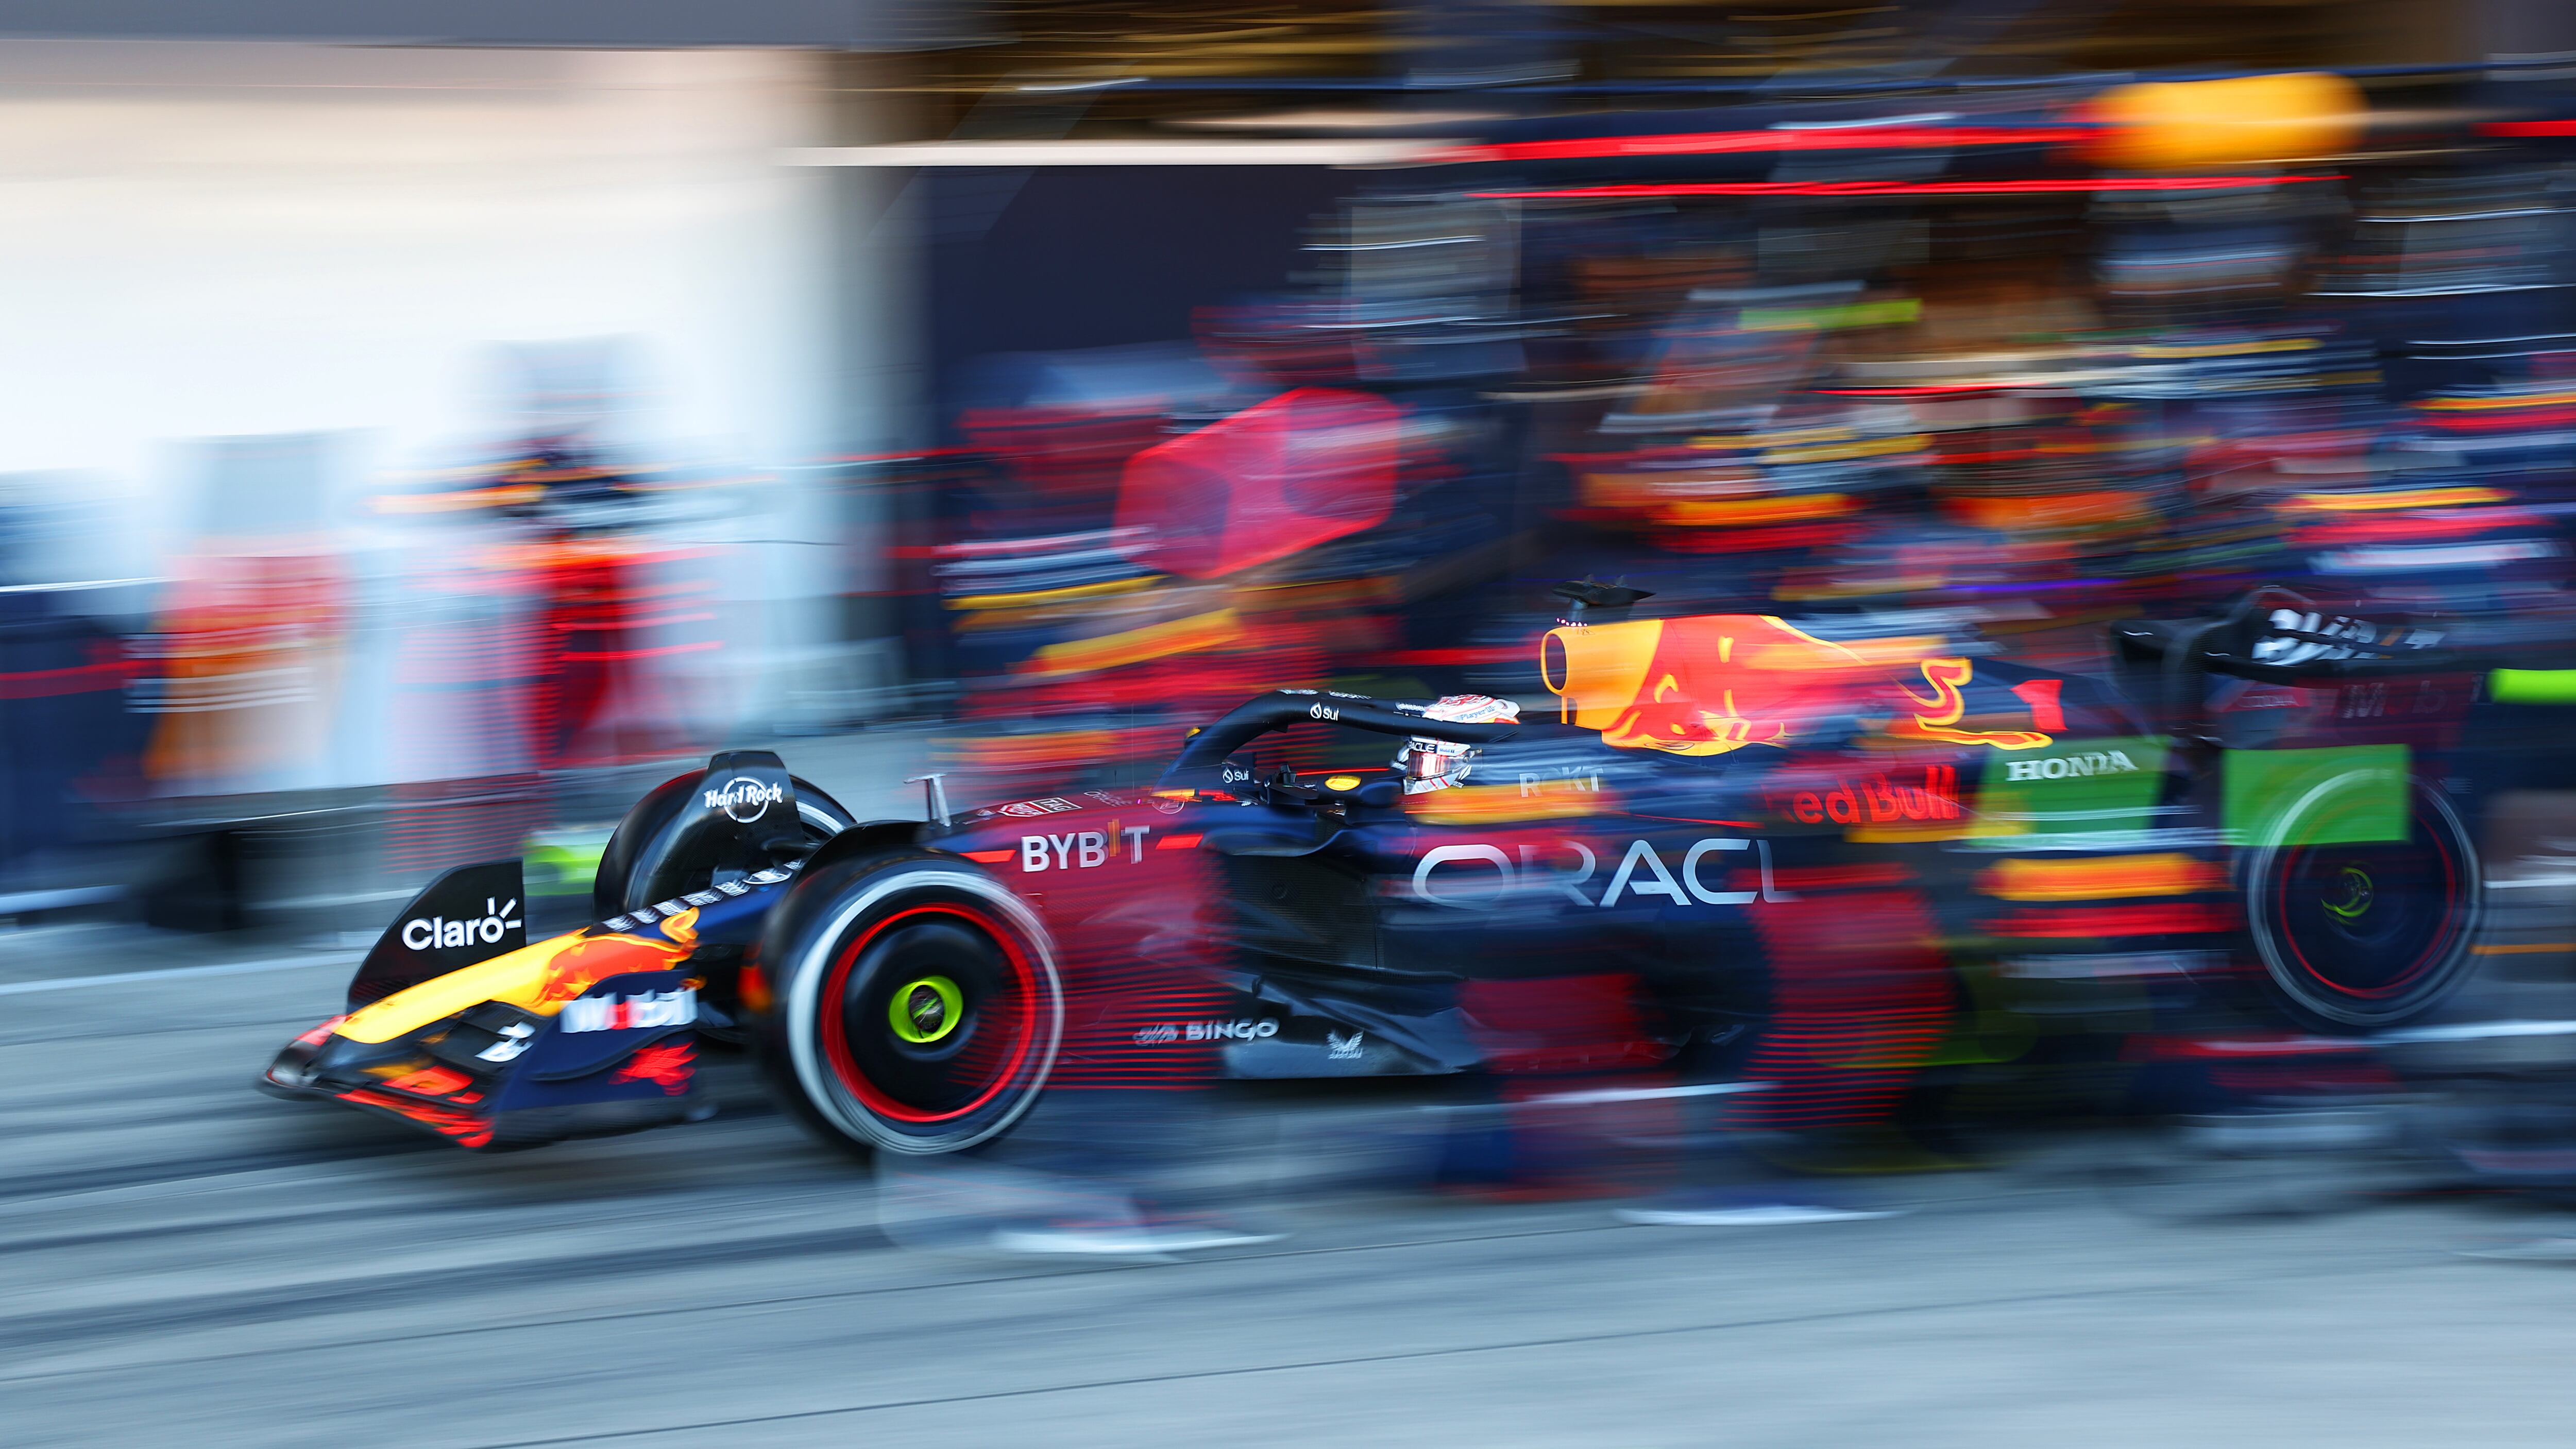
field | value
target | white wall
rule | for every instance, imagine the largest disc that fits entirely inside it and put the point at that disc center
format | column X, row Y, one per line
column 206, row 239
column 201, row 239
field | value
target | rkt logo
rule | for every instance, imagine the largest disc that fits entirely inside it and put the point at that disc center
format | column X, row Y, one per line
column 744, row 799
column 438, row 932
column 631, row 1013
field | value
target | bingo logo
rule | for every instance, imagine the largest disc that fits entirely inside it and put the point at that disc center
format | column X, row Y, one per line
column 744, row 799
column 440, row 933
column 1248, row 1029
column 1245, row 1030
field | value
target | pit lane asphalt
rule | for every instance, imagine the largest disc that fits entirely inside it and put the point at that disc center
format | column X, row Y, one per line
column 189, row 1261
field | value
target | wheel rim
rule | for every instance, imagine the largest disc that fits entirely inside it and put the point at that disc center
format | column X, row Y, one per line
column 2364, row 929
column 927, row 1014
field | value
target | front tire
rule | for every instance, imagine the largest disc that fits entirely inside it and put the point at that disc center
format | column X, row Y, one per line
column 913, row 1004
column 642, row 863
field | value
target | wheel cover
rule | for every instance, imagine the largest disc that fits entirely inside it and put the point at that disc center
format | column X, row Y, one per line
column 948, row 1069
column 2364, row 932
column 817, row 1080
column 926, row 1011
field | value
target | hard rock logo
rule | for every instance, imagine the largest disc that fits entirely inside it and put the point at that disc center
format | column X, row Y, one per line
column 744, row 799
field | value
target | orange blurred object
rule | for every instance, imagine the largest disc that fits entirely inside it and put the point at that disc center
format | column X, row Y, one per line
column 249, row 651
column 2100, row 879
column 2056, row 510
column 2245, row 119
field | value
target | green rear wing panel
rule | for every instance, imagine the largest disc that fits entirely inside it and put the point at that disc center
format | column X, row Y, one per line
column 2340, row 795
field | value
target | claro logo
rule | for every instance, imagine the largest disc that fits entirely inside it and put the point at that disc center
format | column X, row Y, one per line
column 438, row 932
column 744, row 799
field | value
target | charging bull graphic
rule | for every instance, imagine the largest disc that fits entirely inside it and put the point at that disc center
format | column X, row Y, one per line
column 567, row 966
column 1700, row 686
column 1713, row 683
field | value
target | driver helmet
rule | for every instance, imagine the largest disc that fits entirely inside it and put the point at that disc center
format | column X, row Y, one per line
column 1429, row 764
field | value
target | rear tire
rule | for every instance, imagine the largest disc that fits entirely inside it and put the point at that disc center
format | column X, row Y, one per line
column 912, row 1006
column 2362, row 937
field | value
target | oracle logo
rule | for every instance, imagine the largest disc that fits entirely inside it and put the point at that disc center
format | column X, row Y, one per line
column 1485, row 873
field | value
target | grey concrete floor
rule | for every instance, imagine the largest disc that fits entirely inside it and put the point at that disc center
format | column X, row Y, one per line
column 187, row 1261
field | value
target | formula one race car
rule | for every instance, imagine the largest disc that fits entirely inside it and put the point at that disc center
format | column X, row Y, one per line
column 1731, row 821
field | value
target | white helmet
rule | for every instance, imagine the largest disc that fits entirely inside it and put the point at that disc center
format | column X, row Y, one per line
column 1429, row 764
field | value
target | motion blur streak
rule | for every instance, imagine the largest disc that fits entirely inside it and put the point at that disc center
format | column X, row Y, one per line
column 1018, row 705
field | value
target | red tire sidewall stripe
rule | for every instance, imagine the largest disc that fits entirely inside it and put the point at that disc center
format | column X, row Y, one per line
column 835, row 1032
column 2438, row 948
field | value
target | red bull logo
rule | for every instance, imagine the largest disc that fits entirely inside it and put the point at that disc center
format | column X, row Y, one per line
column 1938, row 718
column 1713, row 683
column 579, row 962
column 1704, row 685
column 1894, row 797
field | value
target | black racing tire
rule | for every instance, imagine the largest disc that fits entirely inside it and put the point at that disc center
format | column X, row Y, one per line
column 2363, row 937
column 627, row 878
column 912, row 1004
